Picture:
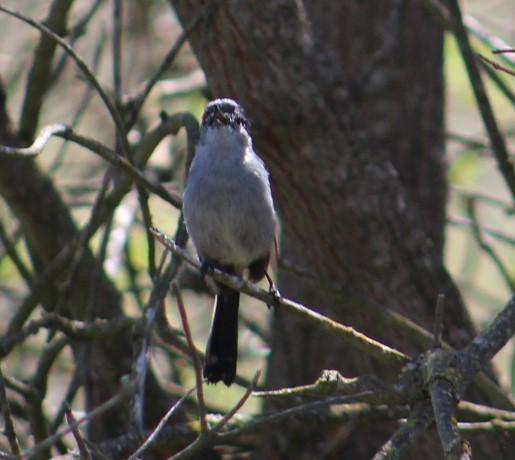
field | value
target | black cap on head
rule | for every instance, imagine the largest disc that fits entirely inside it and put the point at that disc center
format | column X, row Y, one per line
column 224, row 112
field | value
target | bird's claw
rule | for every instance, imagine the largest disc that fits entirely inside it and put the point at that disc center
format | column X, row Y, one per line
column 206, row 269
column 274, row 298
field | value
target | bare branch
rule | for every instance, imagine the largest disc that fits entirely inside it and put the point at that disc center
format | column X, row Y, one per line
column 487, row 343
column 172, row 125
column 81, row 64
column 138, row 101
column 438, row 328
column 238, row 405
column 483, row 102
column 442, row 384
column 152, row 437
column 194, row 357
column 10, row 432
column 350, row 335
column 83, row 448
column 123, row 394
column 471, row 211
column 40, row 74
column 418, row 421
column 76, row 330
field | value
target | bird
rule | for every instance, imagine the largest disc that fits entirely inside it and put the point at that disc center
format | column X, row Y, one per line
column 230, row 216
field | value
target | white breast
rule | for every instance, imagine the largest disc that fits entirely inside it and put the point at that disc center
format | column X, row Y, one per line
column 227, row 204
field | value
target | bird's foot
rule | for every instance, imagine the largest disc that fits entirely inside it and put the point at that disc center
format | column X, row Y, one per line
column 274, row 298
column 206, row 269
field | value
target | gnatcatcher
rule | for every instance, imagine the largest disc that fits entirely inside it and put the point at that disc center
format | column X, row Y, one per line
column 230, row 216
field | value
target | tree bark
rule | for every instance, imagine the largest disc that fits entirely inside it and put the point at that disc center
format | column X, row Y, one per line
column 346, row 105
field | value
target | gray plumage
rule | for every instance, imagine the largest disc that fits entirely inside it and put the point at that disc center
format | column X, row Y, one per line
column 229, row 213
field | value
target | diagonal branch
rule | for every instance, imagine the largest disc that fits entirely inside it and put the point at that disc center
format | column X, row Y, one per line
column 84, row 68
column 483, row 102
column 350, row 335
column 40, row 74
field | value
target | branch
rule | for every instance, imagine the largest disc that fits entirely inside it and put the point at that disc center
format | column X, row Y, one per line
column 490, row 68
column 479, row 412
column 104, row 152
column 461, row 222
column 313, row 414
column 348, row 334
column 76, row 330
column 418, row 421
column 9, row 432
column 138, row 101
column 442, row 383
column 81, row 443
column 196, row 362
column 111, row 403
column 471, row 211
column 83, row 67
column 208, row 438
column 40, row 73
column 153, row 436
column 486, row 344
column 483, row 103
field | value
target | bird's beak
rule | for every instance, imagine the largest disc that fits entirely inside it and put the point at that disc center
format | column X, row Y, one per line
column 219, row 116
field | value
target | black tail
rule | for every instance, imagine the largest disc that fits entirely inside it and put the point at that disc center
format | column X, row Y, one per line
column 222, row 346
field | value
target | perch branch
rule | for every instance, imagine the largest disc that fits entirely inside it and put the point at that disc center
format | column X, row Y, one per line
column 350, row 335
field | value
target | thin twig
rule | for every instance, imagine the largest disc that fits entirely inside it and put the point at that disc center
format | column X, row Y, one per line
column 500, row 83
column 69, row 395
column 486, row 198
column 152, row 437
column 350, row 335
column 76, row 330
column 86, row 98
column 81, row 444
column 483, row 102
column 81, row 64
column 117, row 51
column 194, row 357
column 11, row 251
column 480, row 412
column 9, row 432
column 497, row 66
column 39, row 143
column 77, row 30
column 154, row 305
column 168, row 60
column 238, row 405
column 39, row 78
column 471, row 211
column 103, row 151
column 494, row 425
column 493, row 42
column 147, row 221
column 464, row 223
column 126, row 390
column 438, row 327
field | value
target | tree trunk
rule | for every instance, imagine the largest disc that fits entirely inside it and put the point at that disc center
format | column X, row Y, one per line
column 346, row 105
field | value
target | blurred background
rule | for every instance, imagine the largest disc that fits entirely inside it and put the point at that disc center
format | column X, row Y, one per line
column 149, row 31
